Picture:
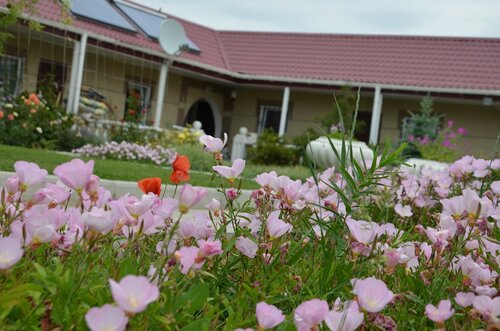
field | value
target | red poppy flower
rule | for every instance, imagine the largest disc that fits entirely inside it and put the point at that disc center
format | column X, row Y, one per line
column 150, row 185
column 181, row 168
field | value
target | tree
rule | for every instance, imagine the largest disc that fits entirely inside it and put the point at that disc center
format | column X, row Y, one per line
column 15, row 10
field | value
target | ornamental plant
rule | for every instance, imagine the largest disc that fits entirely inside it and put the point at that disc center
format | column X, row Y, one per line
column 29, row 120
column 444, row 147
column 421, row 124
column 129, row 151
column 331, row 252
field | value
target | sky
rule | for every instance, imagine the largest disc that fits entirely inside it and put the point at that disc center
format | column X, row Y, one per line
column 474, row 18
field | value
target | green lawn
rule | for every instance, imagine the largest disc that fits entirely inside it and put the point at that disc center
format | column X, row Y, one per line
column 133, row 171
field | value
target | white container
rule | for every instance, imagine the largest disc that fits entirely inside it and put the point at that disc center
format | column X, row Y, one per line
column 416, row 165
column 321, row 153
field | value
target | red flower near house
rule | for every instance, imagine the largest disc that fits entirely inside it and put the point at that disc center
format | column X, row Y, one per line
column 152, row 185
column 181, row 168
column 132, row 112
column 32, row 99
column 1, row 114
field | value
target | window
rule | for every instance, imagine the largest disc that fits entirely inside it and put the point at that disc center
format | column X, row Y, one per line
column 269, row 118
column 138, row 102
column 11, row 73
column 51, row 79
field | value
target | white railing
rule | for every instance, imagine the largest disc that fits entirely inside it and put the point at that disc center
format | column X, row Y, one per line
column 240, row 143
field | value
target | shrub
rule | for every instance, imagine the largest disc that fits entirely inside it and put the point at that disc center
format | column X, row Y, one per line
column 424, row 123
column 271, row 149
column 28, row 120
column 444, row 147
column 200, row 160
column 133, row 133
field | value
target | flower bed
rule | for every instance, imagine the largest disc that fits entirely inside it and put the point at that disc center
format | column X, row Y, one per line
column 372, row 248
column 129, row 151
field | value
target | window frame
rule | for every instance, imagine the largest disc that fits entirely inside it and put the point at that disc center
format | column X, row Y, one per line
column 19, row 74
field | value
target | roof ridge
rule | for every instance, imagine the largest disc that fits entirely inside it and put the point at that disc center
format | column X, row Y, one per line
column 360, row 35
column 222, row 50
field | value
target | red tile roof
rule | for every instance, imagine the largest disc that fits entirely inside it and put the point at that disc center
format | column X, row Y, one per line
column 433, row 62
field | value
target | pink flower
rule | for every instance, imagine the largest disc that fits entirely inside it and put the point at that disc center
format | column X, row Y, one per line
column 187, row 257
column 92, row 185
column 98, row 220
column 403, row 211
column 106, row 318
column 231, row 194
column 213, row 145
column 190, row 196
column 29, row 174
column 464, row 299
column 246, row 246
column 276, row 227
column 348, row 319
column 214, row 206
column 268, row 316
column 462, row 131
column 447, row 143
column 10, row 252
column 42, row 224
column 309, row 314
column 363, row 231
column 134, row 293
column 209, row 248
column 75, row 174
column 166, row 208
column 50, row 194
column 200, row 227
column 441, row 313
column 393, row 257
column 12, row 185
column 231, row 172
column 488, row 307
column 266, row 178
column 373, row 294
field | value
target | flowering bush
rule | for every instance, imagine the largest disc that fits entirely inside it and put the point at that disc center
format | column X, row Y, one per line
column 367, row 247
column 443, row 147
column 28, row 120
column 129, row 151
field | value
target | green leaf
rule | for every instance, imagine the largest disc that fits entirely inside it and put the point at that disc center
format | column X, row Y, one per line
column 194, row 298
column 201, row 324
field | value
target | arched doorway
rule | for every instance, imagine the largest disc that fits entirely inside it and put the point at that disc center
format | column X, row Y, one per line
column 205, row 112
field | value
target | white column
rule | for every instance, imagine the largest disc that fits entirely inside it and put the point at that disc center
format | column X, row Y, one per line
column 284, row 111
column 72, row 79
column 160, row 94
column 376, row 115
column 79, row 72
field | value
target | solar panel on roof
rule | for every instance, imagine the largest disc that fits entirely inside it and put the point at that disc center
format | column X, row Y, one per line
column 101, row 11
column 193, row 47
column 147, row 22
column 150, row 23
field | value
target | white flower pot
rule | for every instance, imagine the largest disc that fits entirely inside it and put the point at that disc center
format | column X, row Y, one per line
column 416, row 165
column 322, row 154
